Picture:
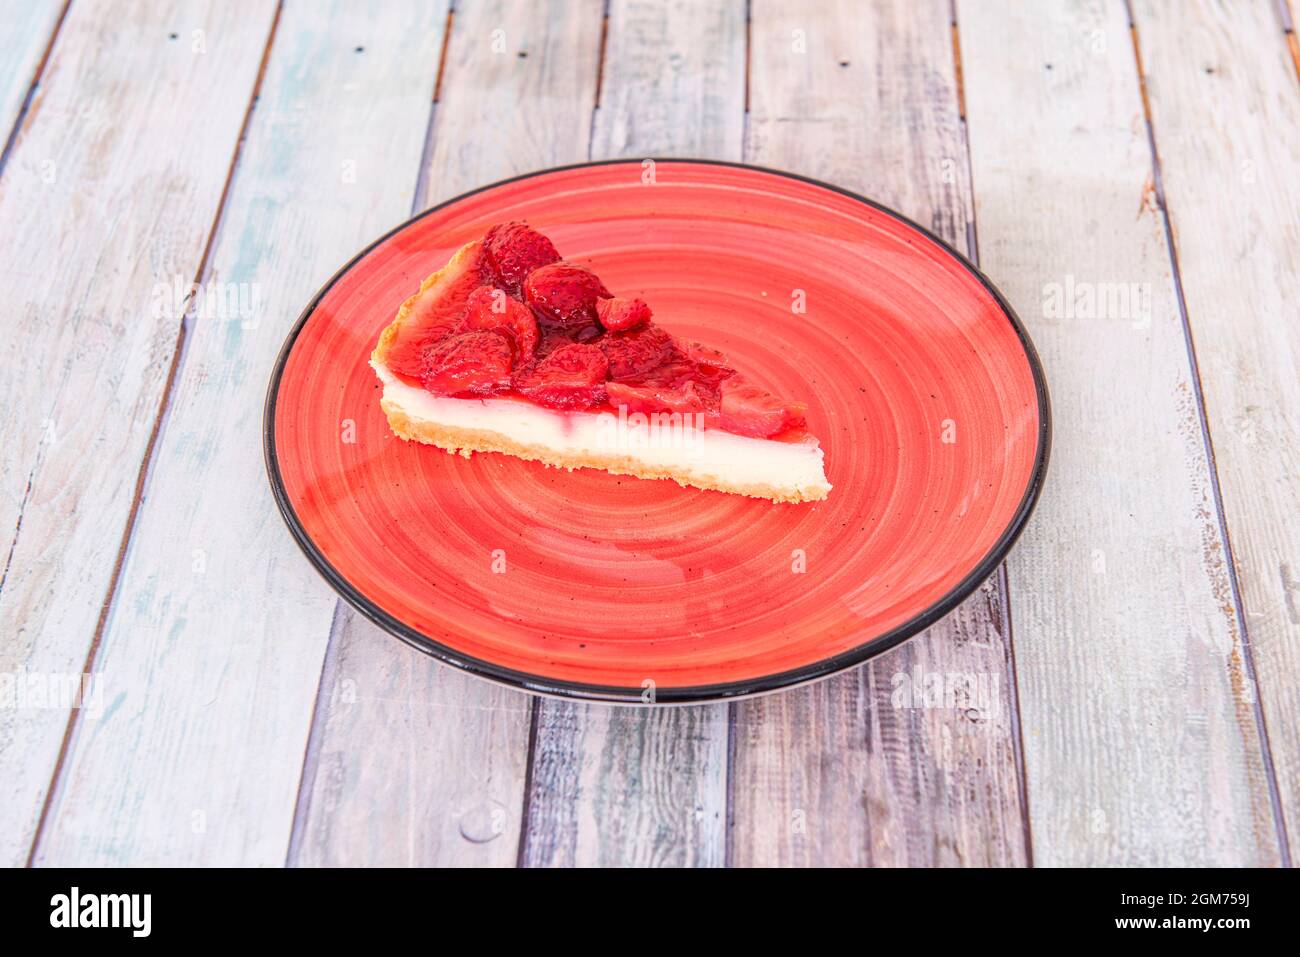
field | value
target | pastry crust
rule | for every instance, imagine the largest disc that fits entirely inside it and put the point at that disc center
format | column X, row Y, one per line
column 466, row 442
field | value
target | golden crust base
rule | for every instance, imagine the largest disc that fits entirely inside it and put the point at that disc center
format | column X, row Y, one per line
column 466, row 442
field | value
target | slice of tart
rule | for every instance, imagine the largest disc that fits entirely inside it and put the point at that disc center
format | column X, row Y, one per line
column 509, row 348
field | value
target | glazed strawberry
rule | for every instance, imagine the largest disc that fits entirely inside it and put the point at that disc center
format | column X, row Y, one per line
column 571, row 377
column 470, row 363
column 711, row 366
column 618, row 315
column 411, row 357
column 565, row 294
column 748, row 410
column 513, row 250
column 635, row 353
column 492, row 309
column 690, row 396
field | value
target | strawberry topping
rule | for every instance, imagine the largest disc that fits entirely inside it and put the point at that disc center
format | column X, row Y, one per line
column 571, row 377
column 513, row 250
column 470, row 363
column 618, row 315
column 748, row 410
column 690, row 396
column 565, row 294
column 493, row 309
column 517, row 318
column 635, row 353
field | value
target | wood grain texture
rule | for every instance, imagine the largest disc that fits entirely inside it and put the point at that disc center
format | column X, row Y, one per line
column 852, row 771
column 1140, row 746
column 453, row 796
column 1225, row 106
column 26, row 28
column 113, row 185
column 628, row 787
column 429, row 785
column 673, row 82
column 619, row 786
column 212, row 654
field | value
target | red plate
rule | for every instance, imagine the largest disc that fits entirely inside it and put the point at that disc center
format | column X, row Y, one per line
column 921, row 383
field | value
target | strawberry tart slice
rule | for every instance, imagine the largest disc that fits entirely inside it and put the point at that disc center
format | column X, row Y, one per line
column 509, row 348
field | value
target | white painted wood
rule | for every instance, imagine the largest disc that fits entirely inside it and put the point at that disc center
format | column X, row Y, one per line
column 111, row 189
column 26, row 28
column 865, row 97
column 212, row 653
column 1140, row 746
column 450, row 775
column 673, row 82
column 620, row 786
column 1225, row 104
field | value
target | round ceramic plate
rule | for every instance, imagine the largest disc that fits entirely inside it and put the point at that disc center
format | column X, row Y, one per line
column 920, row 382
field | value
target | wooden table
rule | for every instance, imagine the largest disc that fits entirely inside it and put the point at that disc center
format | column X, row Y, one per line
column 1129, row 177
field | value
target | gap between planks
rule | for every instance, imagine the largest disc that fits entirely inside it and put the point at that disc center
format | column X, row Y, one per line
column 422, row 176
column 151, row 445
column 1198, row 392
column 12, row 138
column 1288, row 29
column 534, row 716
column 1004, row 580
column 733, row 710
column 311, row 749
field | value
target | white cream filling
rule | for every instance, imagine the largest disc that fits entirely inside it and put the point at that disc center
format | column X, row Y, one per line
column 673, row 442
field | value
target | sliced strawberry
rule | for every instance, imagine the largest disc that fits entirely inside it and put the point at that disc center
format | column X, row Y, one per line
column 492, row 309
column 618, row 315
column 635, row 353
column 434, row 313
column 690, row 396
column 748, row 410
column 513, row 250
column 410, row 356
column 711, row 366
column 565, row 294
column 471, row 363
column 571, row 377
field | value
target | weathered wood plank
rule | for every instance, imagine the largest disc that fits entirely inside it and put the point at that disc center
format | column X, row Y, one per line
column 673, row 80
column 865, row 96
column 212, row 654
column 1225, row 107
column 619, row 786
column 1140, row 745
column 112, row 186
column 517, row 90
column 26, row 29
column 438, row 781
